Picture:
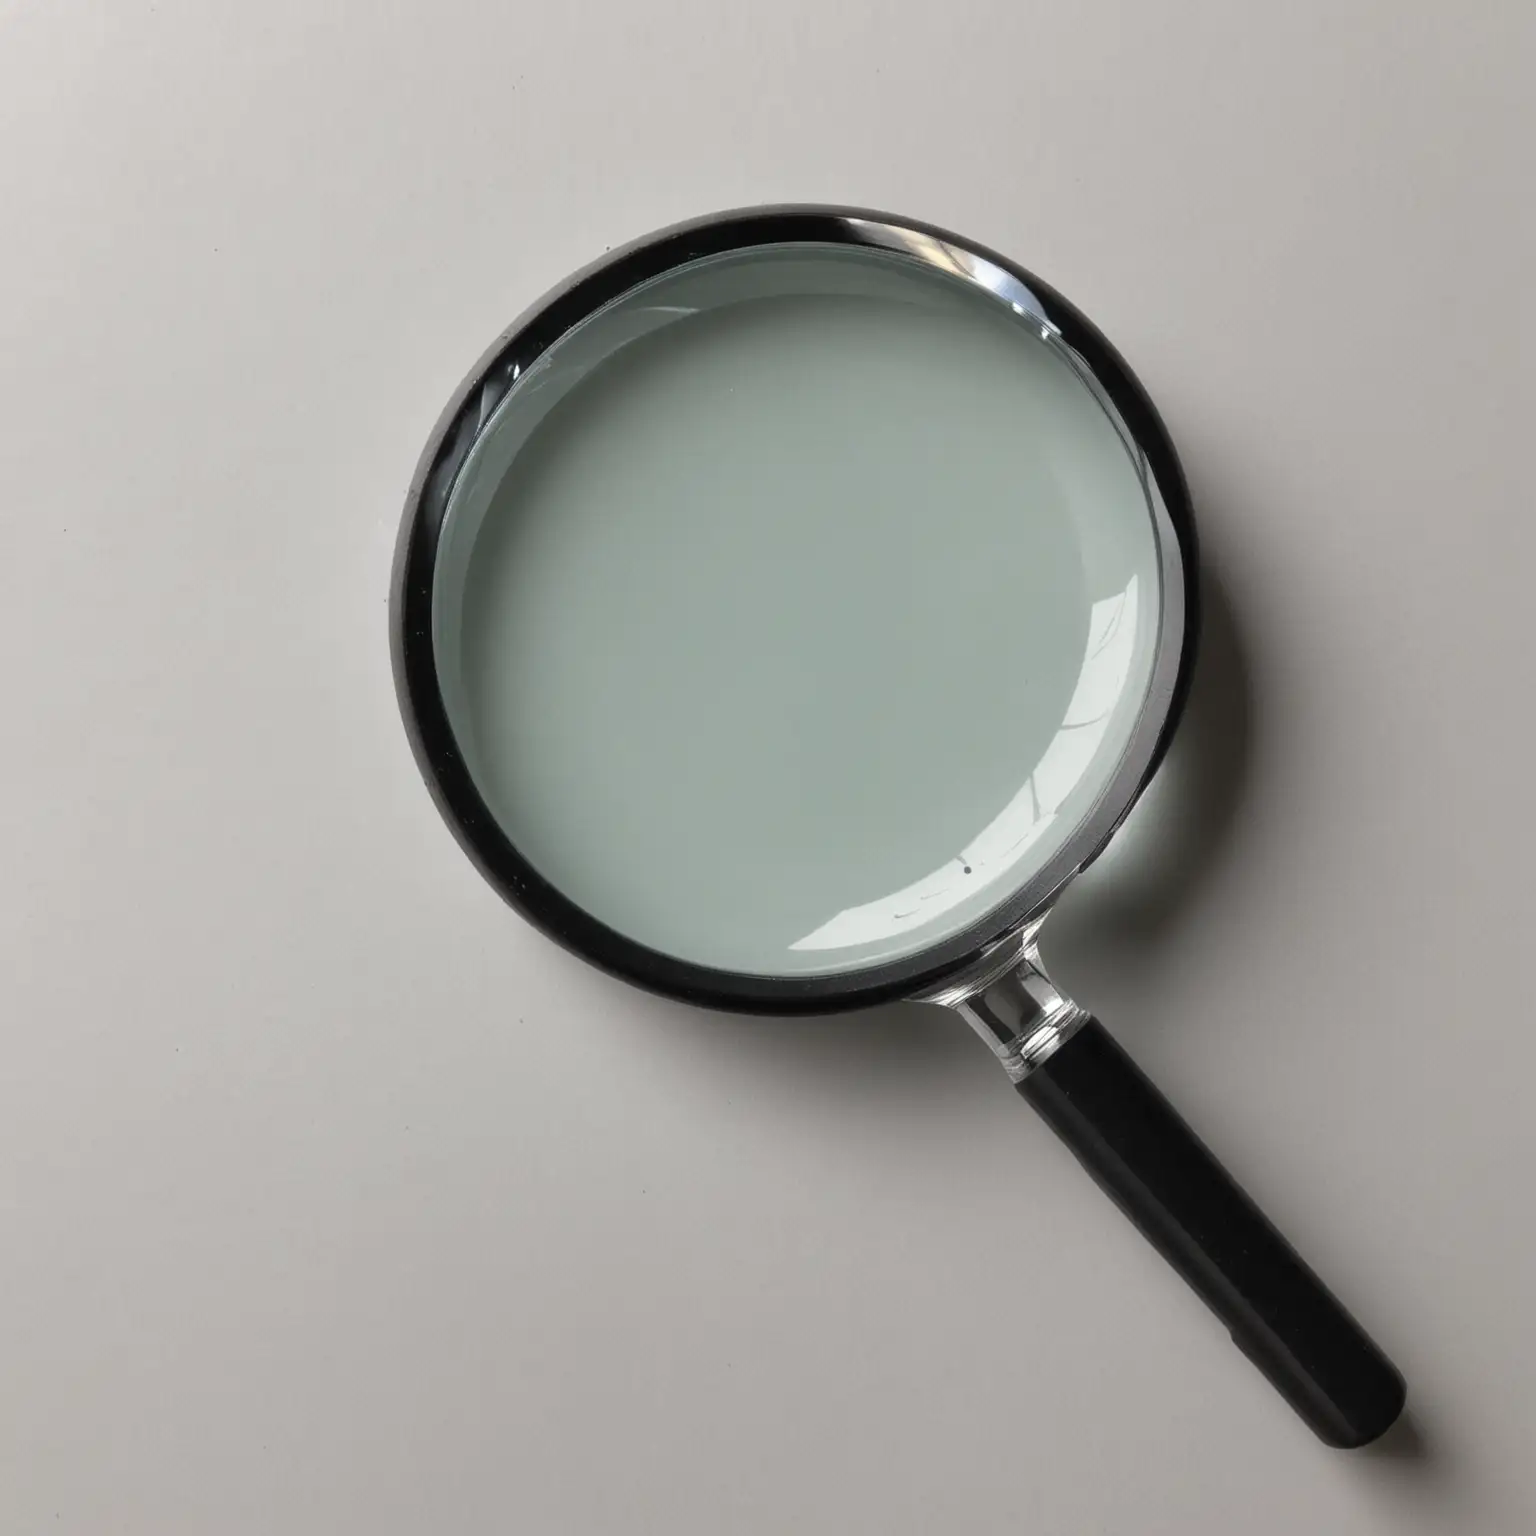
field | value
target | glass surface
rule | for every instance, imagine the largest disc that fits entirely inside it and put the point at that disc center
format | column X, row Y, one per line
column 795, row 609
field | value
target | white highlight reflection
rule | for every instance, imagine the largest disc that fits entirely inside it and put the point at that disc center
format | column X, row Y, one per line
column 997, row 849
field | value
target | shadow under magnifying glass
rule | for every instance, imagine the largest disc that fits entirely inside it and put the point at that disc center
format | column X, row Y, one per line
column 1405, row 1443
column 1411, row 1467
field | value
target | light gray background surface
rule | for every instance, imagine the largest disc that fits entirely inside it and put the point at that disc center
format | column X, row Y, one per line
column 333, row 1199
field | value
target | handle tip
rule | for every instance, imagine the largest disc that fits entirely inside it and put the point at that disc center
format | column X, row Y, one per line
column 1364, row 1398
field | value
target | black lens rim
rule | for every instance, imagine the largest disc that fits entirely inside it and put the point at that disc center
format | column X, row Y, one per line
column 421, row 702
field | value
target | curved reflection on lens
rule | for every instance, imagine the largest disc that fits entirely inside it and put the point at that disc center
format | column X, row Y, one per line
column 996, row 850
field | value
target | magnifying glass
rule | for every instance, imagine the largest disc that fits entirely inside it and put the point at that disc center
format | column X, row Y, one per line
column 786, row 609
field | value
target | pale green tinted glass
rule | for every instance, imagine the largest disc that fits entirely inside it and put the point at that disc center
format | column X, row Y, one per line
column 796, row 609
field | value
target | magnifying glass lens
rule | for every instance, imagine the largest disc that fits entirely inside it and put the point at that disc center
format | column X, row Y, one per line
column 796, row 609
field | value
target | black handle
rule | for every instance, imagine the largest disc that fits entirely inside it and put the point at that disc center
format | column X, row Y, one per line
column 1149, row 1162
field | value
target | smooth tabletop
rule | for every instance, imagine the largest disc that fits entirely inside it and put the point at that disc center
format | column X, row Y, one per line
column 335, row 1199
